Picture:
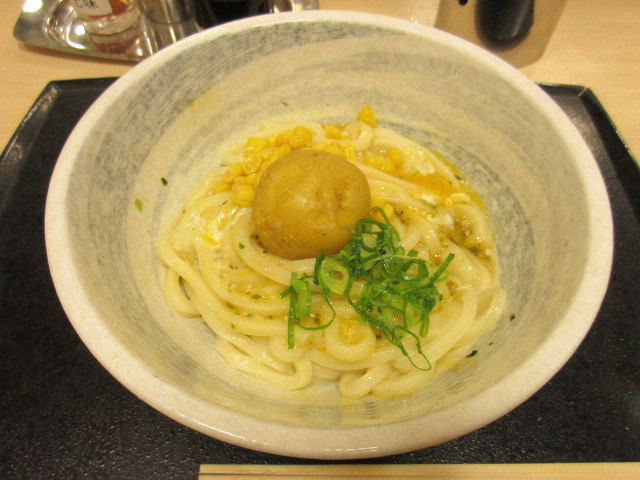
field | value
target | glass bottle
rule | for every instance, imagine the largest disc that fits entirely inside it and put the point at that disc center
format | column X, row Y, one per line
column 214, row 12
column 106, row 17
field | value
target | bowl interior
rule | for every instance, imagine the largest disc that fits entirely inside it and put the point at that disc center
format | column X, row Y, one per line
column 173, row 115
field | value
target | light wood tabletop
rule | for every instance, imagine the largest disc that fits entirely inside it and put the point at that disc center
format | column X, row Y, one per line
column 595, row 44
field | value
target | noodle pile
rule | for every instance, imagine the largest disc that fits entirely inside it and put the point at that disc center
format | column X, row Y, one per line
column 218, row 270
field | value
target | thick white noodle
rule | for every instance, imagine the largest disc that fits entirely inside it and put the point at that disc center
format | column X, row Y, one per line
column 217, row 270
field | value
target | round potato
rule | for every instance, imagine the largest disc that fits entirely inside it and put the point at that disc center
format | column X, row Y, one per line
column 307, row 203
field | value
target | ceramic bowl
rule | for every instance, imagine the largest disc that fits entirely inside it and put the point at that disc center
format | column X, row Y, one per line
column 174, row 114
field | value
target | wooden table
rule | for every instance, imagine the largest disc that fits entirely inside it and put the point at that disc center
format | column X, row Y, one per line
column 595, row 44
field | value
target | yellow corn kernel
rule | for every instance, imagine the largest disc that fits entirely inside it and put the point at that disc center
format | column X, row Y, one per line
column 255, row 145
column 300, row 138
column 383, row 164
column 278, row 152
column 331, row 147
column 240, row 180
column 371, row 160
column 396, row 157
column 366, row 115
column 251, row 163
column 350, row 153
column 220, row 187
column 333, row 131
column 253, row 179
column 282, row 138
column 389, row 167
column 267, row 152
column 387, row 209
column 242, row 195
column 378, row 201
column 266, row 164
column 232, row 172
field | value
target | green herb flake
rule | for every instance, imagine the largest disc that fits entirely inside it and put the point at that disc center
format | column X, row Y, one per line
column 257, row 296
column 138, row 204
column 241, row 246
column 472, row 354
column 164, row 181
column 512, row 317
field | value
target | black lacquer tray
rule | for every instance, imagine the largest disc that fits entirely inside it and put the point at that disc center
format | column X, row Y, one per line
column 63, row 416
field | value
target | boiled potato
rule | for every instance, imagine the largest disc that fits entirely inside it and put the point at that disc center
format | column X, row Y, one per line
column 307, row 203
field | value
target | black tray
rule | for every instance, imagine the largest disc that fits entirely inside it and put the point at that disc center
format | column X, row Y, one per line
column 63, row 416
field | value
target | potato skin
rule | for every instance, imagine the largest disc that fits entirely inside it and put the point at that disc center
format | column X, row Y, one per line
column 307, row 202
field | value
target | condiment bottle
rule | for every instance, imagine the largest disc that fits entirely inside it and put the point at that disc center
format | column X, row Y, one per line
column 214, row 12
column 106, row 17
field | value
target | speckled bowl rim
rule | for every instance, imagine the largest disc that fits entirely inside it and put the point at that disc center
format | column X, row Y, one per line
column 339, row 443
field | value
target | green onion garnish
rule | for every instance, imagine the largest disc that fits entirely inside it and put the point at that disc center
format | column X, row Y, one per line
column 398, row 292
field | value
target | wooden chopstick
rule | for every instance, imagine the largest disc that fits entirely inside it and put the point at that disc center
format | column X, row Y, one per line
column 528, row 471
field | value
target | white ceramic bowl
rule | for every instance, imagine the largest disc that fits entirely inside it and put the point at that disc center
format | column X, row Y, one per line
column 172, row 115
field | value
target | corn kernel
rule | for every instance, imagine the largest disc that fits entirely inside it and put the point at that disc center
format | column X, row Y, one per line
column 241, row 180
column 253, row 179
column 389, row 167
column 331, row 147
column 383, row 164
column 251, row 164
column 267, row 152
column 266, row 164
column 350, row 153
column 240, row 203
column 322, row 146
column 300, row 138
column 220, row 187
column 333, row 131
column 387, row 209
column 278, row 152
column 366, row 115
column 232, row 172
column 378, row 201
column 255, row 145
column 396, row 157
column 371, row 160
column 242, row 195
column 282, row 138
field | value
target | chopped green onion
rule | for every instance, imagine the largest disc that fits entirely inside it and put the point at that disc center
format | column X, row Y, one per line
column 398, row 293
column 333, row 274
column 300, row 306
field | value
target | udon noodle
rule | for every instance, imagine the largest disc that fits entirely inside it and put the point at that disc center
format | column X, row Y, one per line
column 218, row 270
